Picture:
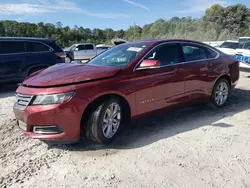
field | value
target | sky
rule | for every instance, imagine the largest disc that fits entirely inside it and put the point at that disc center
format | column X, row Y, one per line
column 115, row 14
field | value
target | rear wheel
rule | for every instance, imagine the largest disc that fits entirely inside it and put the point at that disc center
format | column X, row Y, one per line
column 220, row 93
column 68, row 59
column 105, row 121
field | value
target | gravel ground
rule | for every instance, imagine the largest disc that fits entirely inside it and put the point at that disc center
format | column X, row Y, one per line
column 194, row 147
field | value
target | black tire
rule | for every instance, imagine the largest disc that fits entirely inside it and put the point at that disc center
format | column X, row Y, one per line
column 68, row 59
column 94, row 126
column 215, row 93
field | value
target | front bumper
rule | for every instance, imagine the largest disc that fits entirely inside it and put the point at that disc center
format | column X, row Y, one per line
column 67, row 117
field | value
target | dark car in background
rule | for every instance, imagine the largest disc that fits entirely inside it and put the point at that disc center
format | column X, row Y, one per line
column 22, row 56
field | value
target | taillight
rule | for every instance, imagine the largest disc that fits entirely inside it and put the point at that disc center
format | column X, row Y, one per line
column 61, row 54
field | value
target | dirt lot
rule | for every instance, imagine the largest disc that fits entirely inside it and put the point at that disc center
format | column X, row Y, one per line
column 194, row 147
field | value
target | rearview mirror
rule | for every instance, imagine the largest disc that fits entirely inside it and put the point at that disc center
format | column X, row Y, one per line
column 149, row 63
column 76, row 49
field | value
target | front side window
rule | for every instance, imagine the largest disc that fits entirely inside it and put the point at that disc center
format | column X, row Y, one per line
column 81, row 47
column 194, row 53
column 10, row 47
column 119, row 56
column 36, row 47
column 168, row 54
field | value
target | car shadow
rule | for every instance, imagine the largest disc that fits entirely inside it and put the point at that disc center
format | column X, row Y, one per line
column 7, row 90
column 155, row 128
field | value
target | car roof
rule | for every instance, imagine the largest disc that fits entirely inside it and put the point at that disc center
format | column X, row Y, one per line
column 26, row 39
column 244, row 37
column 233, row 41
column 84, row 44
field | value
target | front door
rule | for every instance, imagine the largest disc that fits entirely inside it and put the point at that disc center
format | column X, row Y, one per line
column 163, row 86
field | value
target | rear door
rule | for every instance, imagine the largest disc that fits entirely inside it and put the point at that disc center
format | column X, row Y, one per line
column 12, row 55
column 199, row 61
column 160, row 87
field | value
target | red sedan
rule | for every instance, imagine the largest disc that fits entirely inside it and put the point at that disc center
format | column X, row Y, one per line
column 119, row 85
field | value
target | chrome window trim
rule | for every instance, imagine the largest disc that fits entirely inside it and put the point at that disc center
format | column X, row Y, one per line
column 185, row 62
column 50, row 48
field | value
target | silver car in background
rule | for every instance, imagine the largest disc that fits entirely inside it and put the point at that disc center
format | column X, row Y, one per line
column 84, row 51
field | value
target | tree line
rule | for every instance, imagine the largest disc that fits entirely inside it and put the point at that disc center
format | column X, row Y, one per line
column 218, row 23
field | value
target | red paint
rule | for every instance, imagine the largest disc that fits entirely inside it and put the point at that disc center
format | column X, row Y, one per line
column 149, row 63
column 69, row 73
column 146, row 90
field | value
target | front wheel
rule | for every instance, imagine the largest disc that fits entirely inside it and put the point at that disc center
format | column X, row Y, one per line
column 105, row 122
column 220, row 93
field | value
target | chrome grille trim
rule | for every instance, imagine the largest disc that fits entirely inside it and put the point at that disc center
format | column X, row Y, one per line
column 22, row 101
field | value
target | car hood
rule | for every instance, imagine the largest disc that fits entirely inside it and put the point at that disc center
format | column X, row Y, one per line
column 67, row 73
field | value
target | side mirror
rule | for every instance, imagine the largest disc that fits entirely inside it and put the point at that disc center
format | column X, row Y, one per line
column 149, row 63
column 76, row 49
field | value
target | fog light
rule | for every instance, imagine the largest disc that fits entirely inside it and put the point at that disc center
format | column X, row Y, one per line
column 53, row 129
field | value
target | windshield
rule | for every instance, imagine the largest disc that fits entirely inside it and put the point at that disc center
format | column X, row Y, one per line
column 119, row 56
column 232, row 45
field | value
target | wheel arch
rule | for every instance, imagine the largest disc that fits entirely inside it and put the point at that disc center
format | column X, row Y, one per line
column 99, row 100
column 28, row 69
column 225, row 76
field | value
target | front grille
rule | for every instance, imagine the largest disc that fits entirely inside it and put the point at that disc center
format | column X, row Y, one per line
column 22, row 101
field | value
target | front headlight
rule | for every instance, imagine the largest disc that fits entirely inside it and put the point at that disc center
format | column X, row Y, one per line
column 53, row 99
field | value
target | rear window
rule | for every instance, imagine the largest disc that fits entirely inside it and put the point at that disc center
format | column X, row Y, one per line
column 232, row 45
column 211, row 53
column 36, row 47
column 55, row 46
column 194, row 53
column 9, row 47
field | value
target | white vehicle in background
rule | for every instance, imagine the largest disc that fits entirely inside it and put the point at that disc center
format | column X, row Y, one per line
column 103, row 47
column 82, row 52
column 240, row 49
column 214, row 43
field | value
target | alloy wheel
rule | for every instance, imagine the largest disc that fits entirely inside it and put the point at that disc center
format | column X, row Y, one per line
column 111, row 120
column 221, row 93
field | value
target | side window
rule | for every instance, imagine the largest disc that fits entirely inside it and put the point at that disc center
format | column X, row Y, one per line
column 36, row 47
column 194, row 53
column 210, row 53
column 89, row 47
column 167, row 54
column 9, row 47
column 81, row 47
column 247, row 45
